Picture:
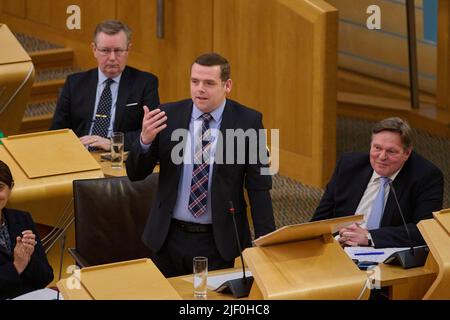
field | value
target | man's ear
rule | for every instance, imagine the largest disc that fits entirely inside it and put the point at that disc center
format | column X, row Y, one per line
column 228, row 85
column 408, row 152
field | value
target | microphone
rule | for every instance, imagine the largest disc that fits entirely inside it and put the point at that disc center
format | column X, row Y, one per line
column 412, row 257
column 240, row 287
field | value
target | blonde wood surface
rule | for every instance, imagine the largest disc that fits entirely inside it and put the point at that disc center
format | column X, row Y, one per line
column 183, row 285
column 287, row 74
column 106, row 166
column 44, row 197
column 135, row 279
column 400, row 282
column 49, row 153
column 308, row 230
column 443, row 217
column 302, row 270
column 437, row 237
column 16, row 80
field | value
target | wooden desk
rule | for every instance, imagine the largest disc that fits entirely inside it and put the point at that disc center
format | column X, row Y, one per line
column 110, row 172
column 403, row 284
column 44, row 197
column 406, row 284
column 183, row 286
column 106, row 166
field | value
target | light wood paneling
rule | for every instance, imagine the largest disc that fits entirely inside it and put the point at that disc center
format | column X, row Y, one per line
column 14, row 7
column 393, row 14
column 288, row 75
column 39, row 11
column 188, row 33
column 443, row 59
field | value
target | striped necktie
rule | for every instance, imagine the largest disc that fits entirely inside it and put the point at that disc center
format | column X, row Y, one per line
column 200, row 173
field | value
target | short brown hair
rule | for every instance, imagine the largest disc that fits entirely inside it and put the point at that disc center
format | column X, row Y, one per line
column 5, row 175
column 398, row 125
column 112, row 27
column 215, row 59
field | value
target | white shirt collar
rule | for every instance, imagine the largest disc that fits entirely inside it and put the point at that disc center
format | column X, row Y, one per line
column 102, row 78
column 376, row 176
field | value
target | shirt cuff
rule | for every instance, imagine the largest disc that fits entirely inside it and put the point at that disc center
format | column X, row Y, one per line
column 369, row 238
column 144, row 147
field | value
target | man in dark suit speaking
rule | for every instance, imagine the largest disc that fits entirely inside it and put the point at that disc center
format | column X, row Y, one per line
column 360, row 185
column 109, row 98
column 201, row 171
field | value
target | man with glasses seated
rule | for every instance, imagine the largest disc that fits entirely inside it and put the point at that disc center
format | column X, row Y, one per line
column 109, row 98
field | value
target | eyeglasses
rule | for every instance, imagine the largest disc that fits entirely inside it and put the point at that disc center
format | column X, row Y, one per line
column 107, row 51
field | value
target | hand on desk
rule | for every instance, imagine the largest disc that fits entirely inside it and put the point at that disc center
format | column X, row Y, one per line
column 96, row 141
column 354, row 235
column 23, row 250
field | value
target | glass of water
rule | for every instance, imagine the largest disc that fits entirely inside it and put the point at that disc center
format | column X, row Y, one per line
column 200, row 277
column 117, row 150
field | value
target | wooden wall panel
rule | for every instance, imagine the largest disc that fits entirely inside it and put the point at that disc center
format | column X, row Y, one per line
column 14, row 7
column 283, row 62
column 443, row 55
column 39, row 11
column 188, row 33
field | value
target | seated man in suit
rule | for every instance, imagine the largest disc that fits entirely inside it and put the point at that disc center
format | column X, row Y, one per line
column 361, row 185
column 109, row 98
column 190, row 215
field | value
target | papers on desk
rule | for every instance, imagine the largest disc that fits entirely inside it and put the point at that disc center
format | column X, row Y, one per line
column 215, row 281
column 370, row 254
column 42, row 294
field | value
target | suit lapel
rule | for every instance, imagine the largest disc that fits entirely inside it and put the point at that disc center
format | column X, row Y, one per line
column 89, row 102
column 391, row 207
column 361, row 180
column 228, row 122
column 182, row 120
column 125, row 86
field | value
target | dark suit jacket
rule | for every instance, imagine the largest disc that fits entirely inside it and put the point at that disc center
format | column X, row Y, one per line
column 75, row 106
column 419, row 186
column 37, row 274
column 227, row 182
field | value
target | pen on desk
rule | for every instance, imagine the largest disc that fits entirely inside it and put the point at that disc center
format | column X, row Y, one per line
column 368, row 253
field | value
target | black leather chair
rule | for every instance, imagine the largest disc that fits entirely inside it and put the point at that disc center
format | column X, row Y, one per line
column 110, row 215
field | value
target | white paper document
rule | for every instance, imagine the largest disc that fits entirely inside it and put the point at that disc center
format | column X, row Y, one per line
column 42, row 294
column 371, row 254
column 215, row 281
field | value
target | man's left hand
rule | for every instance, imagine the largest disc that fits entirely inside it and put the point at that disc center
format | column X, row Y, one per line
column 354, row 235
column 97, row 142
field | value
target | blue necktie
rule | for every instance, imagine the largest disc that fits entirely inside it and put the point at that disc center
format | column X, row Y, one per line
column 377, row 206
column 103, row 116
column 200, row 174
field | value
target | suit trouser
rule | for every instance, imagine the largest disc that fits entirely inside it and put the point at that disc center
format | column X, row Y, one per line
column 181, row 246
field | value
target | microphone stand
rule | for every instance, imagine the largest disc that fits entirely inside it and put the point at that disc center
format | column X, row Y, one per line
column 240, row 287
column 412, row 257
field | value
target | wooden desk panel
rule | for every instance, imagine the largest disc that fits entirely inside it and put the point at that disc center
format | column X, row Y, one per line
column 44, row 197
